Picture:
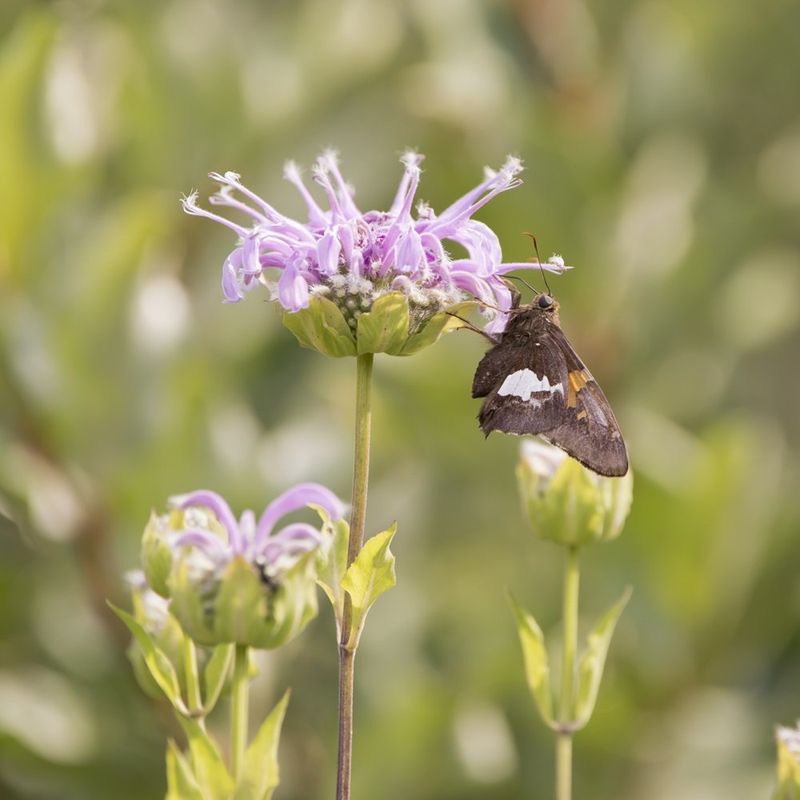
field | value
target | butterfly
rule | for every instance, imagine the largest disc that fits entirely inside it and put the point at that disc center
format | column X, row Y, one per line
column 534, row 382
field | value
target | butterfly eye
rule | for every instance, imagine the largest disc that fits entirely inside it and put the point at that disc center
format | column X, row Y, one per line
column 545, row 301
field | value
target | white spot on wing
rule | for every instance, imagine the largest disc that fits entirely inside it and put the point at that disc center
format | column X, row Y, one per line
column 525, row 382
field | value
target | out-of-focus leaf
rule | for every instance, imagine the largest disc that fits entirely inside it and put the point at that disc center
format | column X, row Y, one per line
column 215, row 675
column 208, row 766
column 593, row 659
column 261, row 773
column 537, row 664
column 181, row 782
column 157, row 662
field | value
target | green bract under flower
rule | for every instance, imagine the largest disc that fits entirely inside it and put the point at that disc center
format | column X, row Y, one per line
column 239, row 607
column 392, row 325
column 567, row 503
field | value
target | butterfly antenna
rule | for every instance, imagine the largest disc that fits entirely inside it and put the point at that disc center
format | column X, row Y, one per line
column 522, row 280
column 539, row 259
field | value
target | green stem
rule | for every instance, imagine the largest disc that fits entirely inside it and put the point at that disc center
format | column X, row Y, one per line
column 193, row 694
column 239, row 708
column 358, row 517
column 567, row 705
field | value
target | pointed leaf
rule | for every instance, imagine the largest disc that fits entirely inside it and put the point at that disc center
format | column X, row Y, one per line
column 593, row 659
column 156, row 660
column 181, row 782
column 215, row 675
column 368, row 577
column 537, row 664
column 209, row 768
column 261, row 774
column 332, row 564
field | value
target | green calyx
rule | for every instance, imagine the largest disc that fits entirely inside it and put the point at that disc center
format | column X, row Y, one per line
column 574, row 506
column 241, row 608
column 391, row 325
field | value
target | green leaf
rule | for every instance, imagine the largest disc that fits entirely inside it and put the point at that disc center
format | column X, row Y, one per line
column 261, row 774
column 156, row 557
column 332, row 564
column 384, row 328
column 187, row 605
column 537, row 664
column 209, row 768
column 368, row 577
column 181, row 781
column 593, row 659
column 322, row 327
column 433, row 329
column 156, row 660
column 215, row 675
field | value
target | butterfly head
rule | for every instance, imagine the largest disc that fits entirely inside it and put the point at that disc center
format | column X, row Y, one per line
column 545, row 302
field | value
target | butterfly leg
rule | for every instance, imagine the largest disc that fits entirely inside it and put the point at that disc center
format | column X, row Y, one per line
column 470, row 326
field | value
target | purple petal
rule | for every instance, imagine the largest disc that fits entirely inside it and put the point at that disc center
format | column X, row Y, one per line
column 343, row 191
column 298, row 535
column 292, row 288
column 231, row 283
column 496, row 325
column 475, row 285
column 316, row 216
column 410, row 254
column 189, row 204
column 510, row 266
column 293, row 499
column 328, row 248
column 207, row 542
column 221, row 510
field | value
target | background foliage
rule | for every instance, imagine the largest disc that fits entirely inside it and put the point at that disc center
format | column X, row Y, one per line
column 662, row 145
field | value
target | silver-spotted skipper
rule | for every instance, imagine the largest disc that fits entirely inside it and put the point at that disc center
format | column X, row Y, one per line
column 534, row 382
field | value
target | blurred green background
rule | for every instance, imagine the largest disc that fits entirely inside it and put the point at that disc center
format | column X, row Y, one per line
column 662, row 146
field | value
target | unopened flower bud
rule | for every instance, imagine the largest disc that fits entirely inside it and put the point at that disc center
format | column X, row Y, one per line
column 568, row 503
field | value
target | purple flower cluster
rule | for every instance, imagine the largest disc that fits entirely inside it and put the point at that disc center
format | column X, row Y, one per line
column 272, row 553
column 354, row 257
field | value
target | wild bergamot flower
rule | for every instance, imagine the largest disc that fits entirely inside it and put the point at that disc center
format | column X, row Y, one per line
column 376, row 281
column 238, row 580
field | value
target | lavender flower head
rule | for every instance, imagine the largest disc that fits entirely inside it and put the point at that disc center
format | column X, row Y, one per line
column 247, row 580
column 354, row 257
column 216, row 537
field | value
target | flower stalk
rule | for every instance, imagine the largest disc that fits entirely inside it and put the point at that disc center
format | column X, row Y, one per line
column 347, row 647
column 570, row 649
column 240, row 689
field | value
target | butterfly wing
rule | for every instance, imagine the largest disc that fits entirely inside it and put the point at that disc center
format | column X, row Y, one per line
column 524, row 382
column 540, row 385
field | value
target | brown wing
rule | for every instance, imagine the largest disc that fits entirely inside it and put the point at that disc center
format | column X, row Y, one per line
column 539, row 385
column 589, row 431
column 524, row 381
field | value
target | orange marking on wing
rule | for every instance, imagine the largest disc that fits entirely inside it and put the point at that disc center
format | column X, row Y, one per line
column 577, row 380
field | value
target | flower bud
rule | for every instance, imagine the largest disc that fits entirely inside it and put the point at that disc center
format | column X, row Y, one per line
column 237, row 581
column 151, row 610
column 568, row 503
column 788, row 741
